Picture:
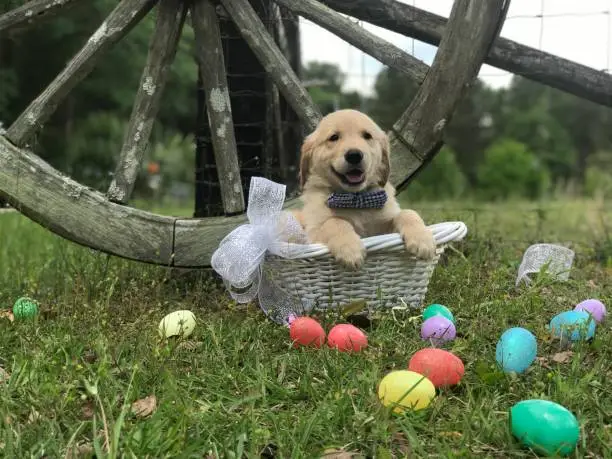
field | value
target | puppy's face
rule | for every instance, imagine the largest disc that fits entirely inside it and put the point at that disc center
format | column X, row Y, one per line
column 347, row 151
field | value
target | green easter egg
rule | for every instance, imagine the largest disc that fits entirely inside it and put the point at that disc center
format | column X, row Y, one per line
column 438, row 310
column 544, row 426
column 25, row 308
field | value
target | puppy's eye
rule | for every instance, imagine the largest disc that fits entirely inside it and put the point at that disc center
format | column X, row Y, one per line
column 367, row 135
column 334, row 138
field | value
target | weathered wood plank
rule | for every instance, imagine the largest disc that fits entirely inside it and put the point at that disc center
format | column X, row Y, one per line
column 266, row 50
column 417, row 136
column 209, row 52
column 359, row 37
column 119, row 22
column 162, row 49
column 32, row 13
column 79, row 214
column 545, row 68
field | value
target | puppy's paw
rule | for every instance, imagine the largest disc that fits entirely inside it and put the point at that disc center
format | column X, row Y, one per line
column 348, row 251
column 420, row 243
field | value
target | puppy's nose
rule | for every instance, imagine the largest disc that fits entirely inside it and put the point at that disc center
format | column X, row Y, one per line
column 353, row 156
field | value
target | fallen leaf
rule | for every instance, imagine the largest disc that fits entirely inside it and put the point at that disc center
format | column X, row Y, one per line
column 354, row 307
column 7, row 314
column 562, row 357
column 87, row 410
column 455, row 435
column 399, row 441
column 4, row 375
column 543, row 361
column 33, row 416
column 189, row 345
column 80, row 451
column 145, row 406
column 339, row 454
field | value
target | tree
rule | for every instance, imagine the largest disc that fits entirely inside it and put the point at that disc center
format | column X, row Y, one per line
column 583, row 125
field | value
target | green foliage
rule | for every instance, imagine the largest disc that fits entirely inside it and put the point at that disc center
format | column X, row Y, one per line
column 236, row 387
column 176, row 156
column 441, row 179
column 393, row 93
column 93, row 149
column 325, row 83
column 510, row 170
column 598, row 176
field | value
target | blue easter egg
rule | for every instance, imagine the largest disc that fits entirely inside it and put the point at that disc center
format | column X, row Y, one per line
column 516, row 350
column 575, row 325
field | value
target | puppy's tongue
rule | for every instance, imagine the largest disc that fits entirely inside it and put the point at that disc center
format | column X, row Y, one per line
column 354, row 176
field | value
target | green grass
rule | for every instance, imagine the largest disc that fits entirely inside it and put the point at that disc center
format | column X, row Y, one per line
column 236, row 387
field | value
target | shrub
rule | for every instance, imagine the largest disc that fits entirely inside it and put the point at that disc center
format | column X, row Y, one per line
column 510, row 170
column 441, row 179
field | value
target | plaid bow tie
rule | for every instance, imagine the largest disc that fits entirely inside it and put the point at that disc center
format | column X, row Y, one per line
column 362, row 200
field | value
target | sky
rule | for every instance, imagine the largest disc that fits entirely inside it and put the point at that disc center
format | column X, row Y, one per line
column 579, row 30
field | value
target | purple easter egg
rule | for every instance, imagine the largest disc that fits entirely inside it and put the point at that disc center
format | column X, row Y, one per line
column 438, row 330
column 594, row 307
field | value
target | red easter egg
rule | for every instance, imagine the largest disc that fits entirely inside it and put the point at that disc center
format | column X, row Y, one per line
column 346, row 338
column 441, row 367
column 305, row 331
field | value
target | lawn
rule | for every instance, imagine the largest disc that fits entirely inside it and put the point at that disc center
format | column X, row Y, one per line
column 236, row 388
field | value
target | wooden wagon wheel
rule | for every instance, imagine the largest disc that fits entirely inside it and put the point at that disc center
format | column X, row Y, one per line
column 106, row 223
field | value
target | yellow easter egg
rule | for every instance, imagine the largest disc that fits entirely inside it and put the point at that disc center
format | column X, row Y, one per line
column 406, row 390
column 177, row 323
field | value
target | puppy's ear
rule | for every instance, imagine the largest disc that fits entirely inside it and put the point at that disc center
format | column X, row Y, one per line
column 385, row 161
column 305, row 159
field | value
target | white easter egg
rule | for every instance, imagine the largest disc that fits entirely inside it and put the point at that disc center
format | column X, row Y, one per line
column 177, row 323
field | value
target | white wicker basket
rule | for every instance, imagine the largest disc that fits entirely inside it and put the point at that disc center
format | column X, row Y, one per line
column 388, row 276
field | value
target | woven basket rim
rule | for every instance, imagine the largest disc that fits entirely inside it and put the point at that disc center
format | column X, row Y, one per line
column 443, row 233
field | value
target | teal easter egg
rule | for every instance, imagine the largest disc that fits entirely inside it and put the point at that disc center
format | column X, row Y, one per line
column 438, row 310
column 575, row 325
column 25, row 308
column 516, row 350
column 544, row 426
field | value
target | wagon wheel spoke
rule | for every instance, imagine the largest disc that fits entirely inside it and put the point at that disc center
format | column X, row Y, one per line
column 417, row 136
column 263, row 45
column 125, row 16
column 212, row 65
column 162, row 49
column 32, row 13
column 360, row 38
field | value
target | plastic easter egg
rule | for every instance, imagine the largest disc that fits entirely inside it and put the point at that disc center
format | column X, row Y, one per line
column 546, row 427
column 575, row 325
column 438, row 330
column 177, row 323
column 25, row 308
column 438, row 310
column 346, row 338
column 441, row 367
column 594, row 307
column 406, row 390
column 516, row 350
column 305, row 331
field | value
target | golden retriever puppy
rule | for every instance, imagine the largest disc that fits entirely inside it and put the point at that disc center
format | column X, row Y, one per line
column 344, row 173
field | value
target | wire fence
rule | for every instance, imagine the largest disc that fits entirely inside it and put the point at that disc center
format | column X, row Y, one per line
column 578, row 31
